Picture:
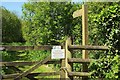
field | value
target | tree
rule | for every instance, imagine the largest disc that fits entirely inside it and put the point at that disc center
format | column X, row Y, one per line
column 11, row 34
column 11, row 27
column 50, row 22
column 107, row 21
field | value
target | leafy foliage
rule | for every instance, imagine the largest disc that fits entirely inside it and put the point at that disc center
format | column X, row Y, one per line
column 95, row 8
column 49, row 23
column 108, row 23
column 11, row 27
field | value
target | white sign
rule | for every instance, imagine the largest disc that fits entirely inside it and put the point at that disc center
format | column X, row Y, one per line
column 2, row 48
column 57, row 53
column 56, row 47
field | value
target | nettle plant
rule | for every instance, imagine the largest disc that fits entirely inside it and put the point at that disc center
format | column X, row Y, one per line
column 108, row 24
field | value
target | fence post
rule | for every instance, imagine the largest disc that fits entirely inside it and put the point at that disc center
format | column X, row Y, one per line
column 85, row 36
column 64, row 63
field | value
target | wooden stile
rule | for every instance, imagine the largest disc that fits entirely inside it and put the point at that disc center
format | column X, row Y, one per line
column 65, row 64
column 79, row 60
column 87, row 47
column 82, row 74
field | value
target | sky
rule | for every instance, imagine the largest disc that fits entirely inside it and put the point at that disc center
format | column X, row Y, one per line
column 16, row 5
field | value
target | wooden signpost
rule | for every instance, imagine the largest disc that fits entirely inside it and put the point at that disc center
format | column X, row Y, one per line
column 85, row 36
column 83, row 12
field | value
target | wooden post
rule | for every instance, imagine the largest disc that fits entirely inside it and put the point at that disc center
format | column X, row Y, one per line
column 84, row 36
column 64, row 73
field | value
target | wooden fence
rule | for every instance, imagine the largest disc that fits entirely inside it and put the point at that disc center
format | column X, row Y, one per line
column 66, row 64
column 36, row 64
column 66, row 70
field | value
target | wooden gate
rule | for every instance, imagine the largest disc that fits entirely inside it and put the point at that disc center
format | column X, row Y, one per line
column 37, row 64
column 66, row 70
column 66, row 64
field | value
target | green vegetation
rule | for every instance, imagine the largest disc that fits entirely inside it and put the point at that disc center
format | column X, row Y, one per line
column 50, row 23
column 11, row 27
column 108, row 21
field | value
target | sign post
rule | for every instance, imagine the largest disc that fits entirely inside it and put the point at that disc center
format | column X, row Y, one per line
column 85, row 36
column 84, row 13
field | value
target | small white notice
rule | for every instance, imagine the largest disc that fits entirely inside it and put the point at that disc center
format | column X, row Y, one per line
column 56, row 47
column 2, row 48
column 57, row 53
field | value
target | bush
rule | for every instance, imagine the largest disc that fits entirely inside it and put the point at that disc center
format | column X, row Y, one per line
column 108, row 65
column 11, row 27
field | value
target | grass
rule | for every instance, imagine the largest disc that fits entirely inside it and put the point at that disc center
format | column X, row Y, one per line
column 43, row 68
